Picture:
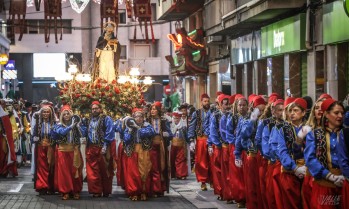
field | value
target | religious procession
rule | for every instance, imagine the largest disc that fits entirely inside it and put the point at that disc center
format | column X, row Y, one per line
column 258, row 152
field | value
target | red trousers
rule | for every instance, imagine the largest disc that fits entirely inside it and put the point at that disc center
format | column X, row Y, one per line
column 158, row 175
column 4, row 167
column 307, row 187
column 227, row 189
column 44, row 168
column 237, row 180
column 179, row 165
column 269, row 189
column 345, row 194
column 99, row 171
column 253, row 195
column 69, row 177
column 216, row 169
column 263, row 166
column 291, row 190
column 119, row 169
column 202, row 160
column 324, row 197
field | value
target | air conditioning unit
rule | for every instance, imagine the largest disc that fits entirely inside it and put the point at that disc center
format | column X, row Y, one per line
column 215, row 40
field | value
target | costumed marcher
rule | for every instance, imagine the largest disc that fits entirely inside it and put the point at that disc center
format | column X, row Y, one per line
column 236, row 176
column 118, row 127
column 159, row 153
column 277, row 109
column 184, row 110
column 249, row 143
column 99, row 163
column 290, row 151
column 198, row 131
column 44, row 150
column 137, row 145
column 179, row 151
column 107, row 53
column 24, row 137
column 322, row 157
column 215, row 142
column 7, row 148
column 343, row 156
column 67, row 135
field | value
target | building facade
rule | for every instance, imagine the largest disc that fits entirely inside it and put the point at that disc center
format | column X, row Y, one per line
column 80, row 35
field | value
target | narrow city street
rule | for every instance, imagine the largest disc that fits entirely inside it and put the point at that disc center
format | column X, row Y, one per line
column 19, row 193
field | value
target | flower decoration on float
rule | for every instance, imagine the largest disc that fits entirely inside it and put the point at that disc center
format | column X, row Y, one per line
column 118, row 98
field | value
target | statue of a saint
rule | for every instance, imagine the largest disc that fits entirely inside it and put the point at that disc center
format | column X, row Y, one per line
column 107, row 54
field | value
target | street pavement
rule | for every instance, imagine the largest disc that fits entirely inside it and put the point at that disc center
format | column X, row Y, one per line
column 184, row 194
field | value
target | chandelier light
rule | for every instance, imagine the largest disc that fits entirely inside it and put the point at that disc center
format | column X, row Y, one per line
column 147, row 80
column 134, row 71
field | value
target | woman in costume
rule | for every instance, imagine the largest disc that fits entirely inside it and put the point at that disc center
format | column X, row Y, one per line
column 69, row 160
column 137, row 144
column 159, row 152
column 322, row 157
column 44, row 150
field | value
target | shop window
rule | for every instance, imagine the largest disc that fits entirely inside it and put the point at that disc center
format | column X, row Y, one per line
column 142, row 50
column 320, row 73
column 123, row 54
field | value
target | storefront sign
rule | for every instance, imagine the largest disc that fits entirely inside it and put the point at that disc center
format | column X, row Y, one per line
column 285, row 36
column 335, row 23
column 246, row 48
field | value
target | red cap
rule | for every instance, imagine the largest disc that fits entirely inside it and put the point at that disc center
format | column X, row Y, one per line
column 218, row 93
column 65, row 107
column 258, row 100
column 277, row 102
column 177, row 114
column 301, row 102
column 157, row 104
column 274, row 94
column 239, row 96
column 251, row 98
column 325, row 96
column 272, row 99
column 221, row 97
column 326, row 104
column 134, row 110
column 232, row 99
column 289, row 101
column 96, row 103
column 203, row 96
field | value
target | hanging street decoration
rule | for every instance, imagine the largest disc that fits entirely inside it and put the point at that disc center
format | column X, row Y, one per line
column 53, row 12
column 142, row 11
column 190, row 58
column 79, row 5
column 109, row 12
column 18, row 8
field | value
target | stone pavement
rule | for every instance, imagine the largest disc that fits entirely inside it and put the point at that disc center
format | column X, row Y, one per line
column 19, row 193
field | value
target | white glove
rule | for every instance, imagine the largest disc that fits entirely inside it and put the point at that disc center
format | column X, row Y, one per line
column 36, row 139
column 300, row 171
column 254, row 114
column 104, row 149
column 238, row 163
column 83, row 140
column 210, row 150
column 339, row 181
column 192, row 146
column 165, row 134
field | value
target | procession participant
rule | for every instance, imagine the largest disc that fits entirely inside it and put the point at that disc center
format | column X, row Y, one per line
column 236, row 179
column 198, row 132
column 248, row 131
column 24, row 133
column 262, row 161
column 184, row 110
column 272, row 196
column 99, row 166
column 159, row 152
column 7, row 150
column 313, row 122
column 291, row 155
column 67, row 135
column 179, row 152
column 322, row 157
column 118, row 127
column 138, row 142
column 343, row 156
column 44, row 150
column 215, row 142
column 226, row 155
